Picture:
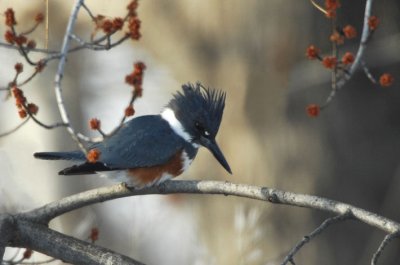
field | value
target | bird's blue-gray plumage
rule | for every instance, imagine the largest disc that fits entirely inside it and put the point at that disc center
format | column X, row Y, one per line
column 149, row 141
column 142, row 142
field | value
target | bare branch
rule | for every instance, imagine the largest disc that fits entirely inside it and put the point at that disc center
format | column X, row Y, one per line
column 368, row 73
column 306, row 239
column 317, row 6
column 388, row 238
column 40, row 123
column 13, row 130
column 47, row 212
column 6, row 232
column 365, row 36
column 123, row 119
column 363, row 43
column 88, row 11
column 60, row 71
column 42, row 239
column 38, row 50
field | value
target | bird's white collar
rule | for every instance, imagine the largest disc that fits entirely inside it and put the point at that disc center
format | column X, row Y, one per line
column 169, row 115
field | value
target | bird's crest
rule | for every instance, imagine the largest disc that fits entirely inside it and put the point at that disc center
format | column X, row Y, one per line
column 201, row 104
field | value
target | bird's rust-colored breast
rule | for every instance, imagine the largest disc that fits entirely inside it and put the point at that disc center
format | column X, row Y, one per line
column 144, row 176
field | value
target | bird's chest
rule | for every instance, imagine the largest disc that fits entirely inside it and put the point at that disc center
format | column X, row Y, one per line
column 147, row 176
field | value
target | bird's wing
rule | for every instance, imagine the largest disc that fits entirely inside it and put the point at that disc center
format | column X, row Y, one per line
column 142, row 142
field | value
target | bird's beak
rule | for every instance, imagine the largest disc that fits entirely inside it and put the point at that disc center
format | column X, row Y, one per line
column 211, row 145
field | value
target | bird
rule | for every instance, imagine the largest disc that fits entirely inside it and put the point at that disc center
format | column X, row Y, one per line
column 150, row 149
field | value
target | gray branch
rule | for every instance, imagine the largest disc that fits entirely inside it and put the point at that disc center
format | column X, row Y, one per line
column 68, row 249
column 365, row 36
column 60, row 72
column 388, row 238
column 306, row 239
column 6, row 232
column 33, row 224
column 49, row 211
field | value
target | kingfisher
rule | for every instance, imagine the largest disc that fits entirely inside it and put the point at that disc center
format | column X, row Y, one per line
column 151, row 149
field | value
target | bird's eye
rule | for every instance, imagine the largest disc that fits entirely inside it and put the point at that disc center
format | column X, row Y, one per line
column 201, row 129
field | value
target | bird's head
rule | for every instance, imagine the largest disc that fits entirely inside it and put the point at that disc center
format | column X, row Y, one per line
column 199, row 111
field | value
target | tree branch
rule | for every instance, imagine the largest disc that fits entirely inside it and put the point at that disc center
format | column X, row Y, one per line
column 47, row 212
column 6, row 232
column 13, row 130
column 60, row 72
column 306, row 239
column 365, row 36
column 388, row 238
column 40, row 238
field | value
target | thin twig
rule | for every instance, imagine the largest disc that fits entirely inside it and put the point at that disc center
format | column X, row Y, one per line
column 318, row 7
column 334, row 86
column 60, row 71
column 38, row 50
column 46, row 126
column 77, row 39
column 123, row 119
column 363, row 45
column 110, row 45
column 306, row 239
column 14, row 129
column 27, row 80
column 88, row 11
column 368, row 73
column 388, row 238
column 365, row 36
column 29, row 31
column 21, row 49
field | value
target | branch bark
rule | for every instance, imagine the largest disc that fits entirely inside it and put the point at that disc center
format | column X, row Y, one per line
column 60, row 72
column 68, row 249
column 32, row 231
column 306, row 239
column 47, row 212
column 6, row 232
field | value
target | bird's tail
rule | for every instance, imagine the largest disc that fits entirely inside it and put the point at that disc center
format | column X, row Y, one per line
column 74, row 155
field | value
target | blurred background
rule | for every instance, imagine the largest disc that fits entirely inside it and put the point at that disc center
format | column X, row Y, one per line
column 254, row 50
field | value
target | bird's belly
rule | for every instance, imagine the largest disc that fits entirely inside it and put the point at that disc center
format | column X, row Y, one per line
column 142, row 177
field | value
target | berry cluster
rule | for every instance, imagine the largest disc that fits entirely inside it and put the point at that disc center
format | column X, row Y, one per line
column 340, row 65
column 135, row 79
column 94, row 234
column 23, row 107
column 110, row 26
column 93, row 155
column 107, row 25
column 20, row 39
column 129, row 25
